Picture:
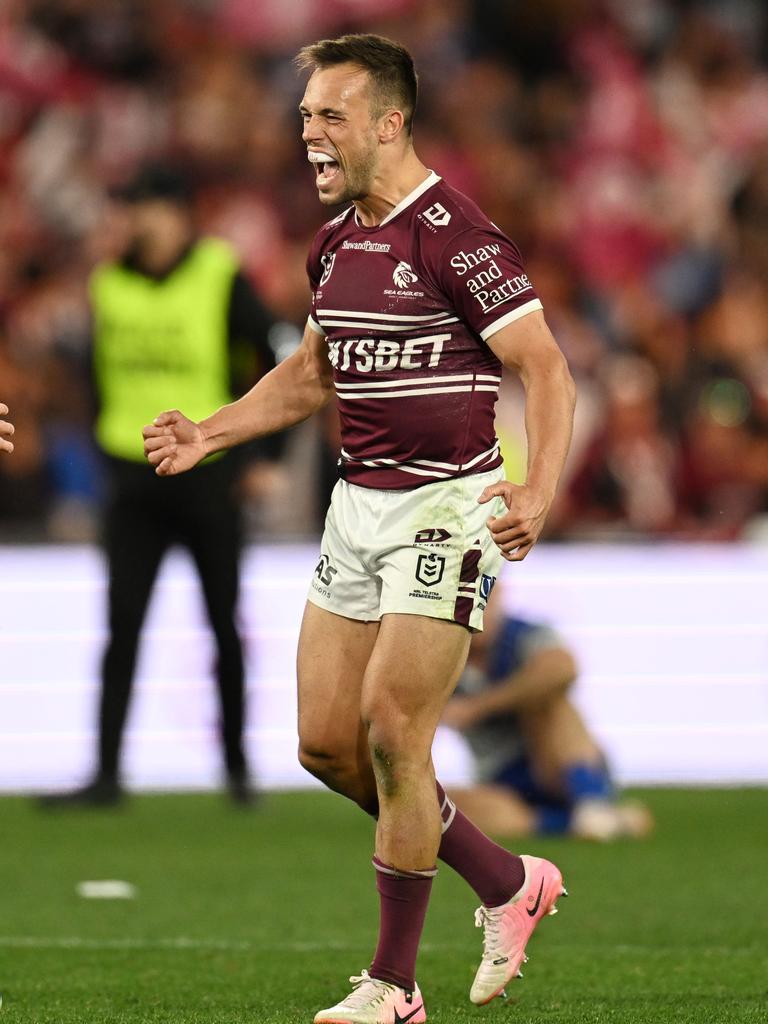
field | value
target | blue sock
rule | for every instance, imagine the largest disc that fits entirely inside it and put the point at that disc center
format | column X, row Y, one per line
column 552, row 820
column 582, row 781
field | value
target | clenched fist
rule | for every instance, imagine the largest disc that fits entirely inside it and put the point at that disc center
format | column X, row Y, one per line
column 173, row 444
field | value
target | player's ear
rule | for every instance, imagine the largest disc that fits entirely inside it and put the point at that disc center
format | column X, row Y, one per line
column 390, row 125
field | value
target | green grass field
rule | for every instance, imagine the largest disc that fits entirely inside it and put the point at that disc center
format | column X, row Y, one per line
column 261, row 917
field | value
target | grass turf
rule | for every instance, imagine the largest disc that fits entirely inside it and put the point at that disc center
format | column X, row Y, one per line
column 261, row 916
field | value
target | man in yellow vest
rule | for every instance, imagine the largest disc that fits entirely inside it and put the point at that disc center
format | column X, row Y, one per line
column 167, row 319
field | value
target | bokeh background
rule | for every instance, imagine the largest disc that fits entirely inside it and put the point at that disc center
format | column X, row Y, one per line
column 624, row 146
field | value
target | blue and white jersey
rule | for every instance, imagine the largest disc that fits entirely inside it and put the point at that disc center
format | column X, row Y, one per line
column 497, row 741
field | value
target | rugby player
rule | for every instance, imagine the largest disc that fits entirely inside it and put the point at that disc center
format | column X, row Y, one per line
column 6, row 431
column 538, row 768
column 418, row 301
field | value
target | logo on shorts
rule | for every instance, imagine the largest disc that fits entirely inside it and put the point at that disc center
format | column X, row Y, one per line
column 324, row 573
column 430, row 569
column 434, row 536
column 486, row 586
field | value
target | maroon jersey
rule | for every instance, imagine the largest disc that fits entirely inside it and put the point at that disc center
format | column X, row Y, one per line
column 407, row 308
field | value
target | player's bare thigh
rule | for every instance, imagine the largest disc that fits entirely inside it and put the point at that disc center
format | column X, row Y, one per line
column 413, row 669
column 333, row 655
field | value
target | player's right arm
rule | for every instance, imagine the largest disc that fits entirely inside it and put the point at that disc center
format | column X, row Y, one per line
column 6, row 431
column 293, row 391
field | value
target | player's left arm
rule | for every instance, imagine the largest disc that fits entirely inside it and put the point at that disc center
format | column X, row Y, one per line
column 526, row 346
column 6, row 431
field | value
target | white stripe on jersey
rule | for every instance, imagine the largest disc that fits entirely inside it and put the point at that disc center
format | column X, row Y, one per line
column 393, row 464
column 406, row 381
column 386, row 327
column 423, row 472
column 385, row 317
column 456, row 468
column 350, row 395
column 509, row 318
column 482, row 457
column 413, row 467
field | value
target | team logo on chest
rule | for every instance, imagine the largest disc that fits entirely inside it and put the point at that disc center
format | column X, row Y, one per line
column 327, row 259
column 403, row 275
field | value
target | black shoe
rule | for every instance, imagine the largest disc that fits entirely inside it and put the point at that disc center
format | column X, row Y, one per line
column 102, row 792
column 242, row 791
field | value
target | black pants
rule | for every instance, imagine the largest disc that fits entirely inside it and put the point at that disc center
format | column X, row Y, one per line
column 146, row 515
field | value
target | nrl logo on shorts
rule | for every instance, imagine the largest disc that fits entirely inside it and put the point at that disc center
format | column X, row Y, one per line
column 403, row 275
column 429, row 569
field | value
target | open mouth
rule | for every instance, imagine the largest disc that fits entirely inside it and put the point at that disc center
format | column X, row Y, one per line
column 326, row 168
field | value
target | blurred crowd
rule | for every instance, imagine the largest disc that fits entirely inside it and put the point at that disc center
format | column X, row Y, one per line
column 624, row 146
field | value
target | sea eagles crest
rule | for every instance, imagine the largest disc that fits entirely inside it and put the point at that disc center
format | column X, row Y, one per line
column 403, row 275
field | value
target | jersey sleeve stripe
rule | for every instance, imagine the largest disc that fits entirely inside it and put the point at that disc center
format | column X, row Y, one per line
column 509, row 318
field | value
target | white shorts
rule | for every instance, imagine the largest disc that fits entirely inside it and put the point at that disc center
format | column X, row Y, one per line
column 425, row 551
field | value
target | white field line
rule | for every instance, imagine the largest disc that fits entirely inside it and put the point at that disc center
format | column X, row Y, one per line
column 177, row 943
column 183, row 943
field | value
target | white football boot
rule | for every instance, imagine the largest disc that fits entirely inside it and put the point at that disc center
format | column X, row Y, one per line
column 375, row 1002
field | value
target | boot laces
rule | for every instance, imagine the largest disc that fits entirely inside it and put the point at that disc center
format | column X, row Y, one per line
column 366, row 990
column 489, row 918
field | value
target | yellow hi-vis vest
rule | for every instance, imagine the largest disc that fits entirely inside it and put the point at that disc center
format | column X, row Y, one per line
column 160, row 344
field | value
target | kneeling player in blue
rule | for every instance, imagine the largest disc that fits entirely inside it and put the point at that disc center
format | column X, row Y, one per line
column 538, row 769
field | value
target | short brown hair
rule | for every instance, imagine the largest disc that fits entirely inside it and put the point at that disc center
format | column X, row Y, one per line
column 389, row 65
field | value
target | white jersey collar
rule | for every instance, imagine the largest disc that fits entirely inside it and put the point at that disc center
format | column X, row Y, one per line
column 428, row 182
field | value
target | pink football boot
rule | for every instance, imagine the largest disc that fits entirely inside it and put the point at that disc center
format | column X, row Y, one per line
column 508, row 928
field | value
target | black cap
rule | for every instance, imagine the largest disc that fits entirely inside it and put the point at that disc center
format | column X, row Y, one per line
column 155, row 181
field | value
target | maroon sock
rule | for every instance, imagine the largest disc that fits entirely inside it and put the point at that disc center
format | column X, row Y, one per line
column 404, row 896
column 493, row 872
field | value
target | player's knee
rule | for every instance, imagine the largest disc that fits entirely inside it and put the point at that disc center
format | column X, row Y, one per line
column 395, row 754
column 340, row 773
column 324, row 762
